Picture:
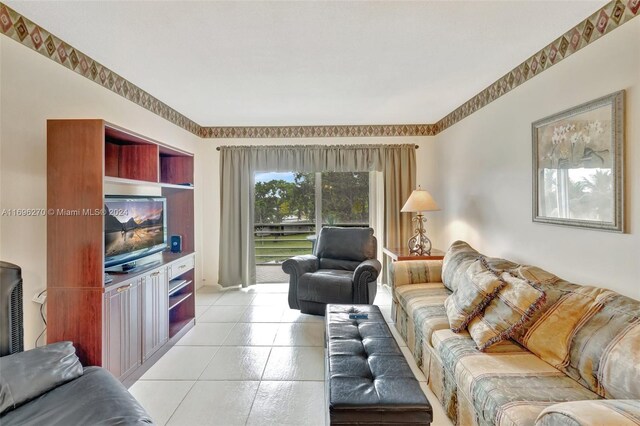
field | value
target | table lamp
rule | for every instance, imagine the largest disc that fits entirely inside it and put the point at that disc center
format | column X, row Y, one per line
column 420, row 201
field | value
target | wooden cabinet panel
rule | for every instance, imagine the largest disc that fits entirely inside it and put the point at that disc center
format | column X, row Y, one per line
column 176, row 169
column 139, row 162
column 123, row 329
column 75, row 150
column 155, row 311
column 76, row 315
column 180, row 210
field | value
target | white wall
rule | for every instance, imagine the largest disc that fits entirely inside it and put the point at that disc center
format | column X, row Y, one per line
column 425, row 176
column 485, row 170
column 34, row 89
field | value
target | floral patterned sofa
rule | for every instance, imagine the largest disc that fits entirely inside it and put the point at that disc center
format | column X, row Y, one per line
column 574, row 361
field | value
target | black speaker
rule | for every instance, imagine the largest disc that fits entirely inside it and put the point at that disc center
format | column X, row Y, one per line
column 11, row 322
column 176, row 244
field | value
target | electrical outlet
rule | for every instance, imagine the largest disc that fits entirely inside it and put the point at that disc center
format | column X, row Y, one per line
column 40, row 298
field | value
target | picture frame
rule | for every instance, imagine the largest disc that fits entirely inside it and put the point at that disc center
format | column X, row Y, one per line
column 578, row 166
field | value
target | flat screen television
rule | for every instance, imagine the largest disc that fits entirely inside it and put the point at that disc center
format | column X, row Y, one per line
column 134, row 227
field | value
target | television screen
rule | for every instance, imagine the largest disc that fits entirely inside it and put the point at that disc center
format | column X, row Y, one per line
column 134, row 227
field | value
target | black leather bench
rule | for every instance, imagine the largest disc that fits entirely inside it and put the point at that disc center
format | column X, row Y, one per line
column 368, row 378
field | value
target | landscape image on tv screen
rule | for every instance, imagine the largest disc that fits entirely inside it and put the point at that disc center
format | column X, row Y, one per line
column 132, row 225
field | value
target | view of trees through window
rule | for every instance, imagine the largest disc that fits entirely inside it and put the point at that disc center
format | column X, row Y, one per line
column 291, row 206
column 345, row 198
column 286, row 197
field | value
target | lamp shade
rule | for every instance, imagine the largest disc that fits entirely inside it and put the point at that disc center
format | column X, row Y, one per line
column 420, row 201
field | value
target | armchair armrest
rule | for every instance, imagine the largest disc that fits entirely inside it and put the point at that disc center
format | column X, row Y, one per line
column 365, row 273
column 296, row 267
column 299, row 265
column 27, row 375
column 408, row 272
column 594, row 412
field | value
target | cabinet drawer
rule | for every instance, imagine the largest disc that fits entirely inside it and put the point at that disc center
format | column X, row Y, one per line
column 181, row 266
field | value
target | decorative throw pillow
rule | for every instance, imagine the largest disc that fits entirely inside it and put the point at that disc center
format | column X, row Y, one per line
column 515, row 304
column 459, row 257
column 457, row 260
column 475, row 290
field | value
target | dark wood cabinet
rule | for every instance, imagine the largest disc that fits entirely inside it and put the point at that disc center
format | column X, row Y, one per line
column 125, row 325
column 155, row 312
column 123, row 329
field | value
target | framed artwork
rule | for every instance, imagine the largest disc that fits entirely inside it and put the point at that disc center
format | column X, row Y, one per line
column 578, row 166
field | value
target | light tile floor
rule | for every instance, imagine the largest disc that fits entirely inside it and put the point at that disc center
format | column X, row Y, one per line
column 250, row 360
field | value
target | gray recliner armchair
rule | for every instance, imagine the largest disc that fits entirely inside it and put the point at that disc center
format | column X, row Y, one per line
column 343, row 269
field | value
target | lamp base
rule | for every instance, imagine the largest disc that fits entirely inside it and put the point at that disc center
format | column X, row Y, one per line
column 419, row 244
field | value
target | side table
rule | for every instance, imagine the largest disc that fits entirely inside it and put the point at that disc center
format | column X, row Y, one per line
column 397, row 254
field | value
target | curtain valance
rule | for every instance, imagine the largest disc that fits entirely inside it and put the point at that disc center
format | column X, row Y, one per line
column 315, row 158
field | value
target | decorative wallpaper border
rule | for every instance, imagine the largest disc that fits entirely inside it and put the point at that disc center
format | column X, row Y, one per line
column 320, row 131
column 609, row 17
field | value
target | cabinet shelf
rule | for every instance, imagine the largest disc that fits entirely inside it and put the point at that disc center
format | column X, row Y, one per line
column 178, row 299
column 178, row 284
column 175, row 327
column 167, row 259
column 124, row 181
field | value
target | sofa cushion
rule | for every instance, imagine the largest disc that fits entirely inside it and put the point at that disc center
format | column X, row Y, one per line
column 513, row 307
column 95, row 398
column 424, row 308
column 619, row 366
column 339, row 264
column 27, row 375
column 591, row 334
column 507, row 384
column 477, row 287
column 581, row 413
column 326, row 285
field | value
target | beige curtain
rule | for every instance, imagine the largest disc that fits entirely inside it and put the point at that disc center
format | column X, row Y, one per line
column 236, row 217
column 239, row 164
column 399, row 181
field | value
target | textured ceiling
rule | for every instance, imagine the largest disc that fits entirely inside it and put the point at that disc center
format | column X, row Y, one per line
column 309, row 63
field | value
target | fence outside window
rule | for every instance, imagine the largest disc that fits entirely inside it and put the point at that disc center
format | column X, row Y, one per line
column 277, row 242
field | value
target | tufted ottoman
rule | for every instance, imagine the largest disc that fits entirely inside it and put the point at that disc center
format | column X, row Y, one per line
column 368, row 378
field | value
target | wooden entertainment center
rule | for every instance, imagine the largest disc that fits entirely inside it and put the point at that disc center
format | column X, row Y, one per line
column 127, row 324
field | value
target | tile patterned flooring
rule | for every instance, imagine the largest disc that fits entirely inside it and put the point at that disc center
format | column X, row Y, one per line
column 250, row 360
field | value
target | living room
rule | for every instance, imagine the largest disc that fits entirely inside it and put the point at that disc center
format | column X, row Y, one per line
column 454, row 88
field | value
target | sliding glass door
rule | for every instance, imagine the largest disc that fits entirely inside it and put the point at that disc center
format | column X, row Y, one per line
column 343, row 199
column 291, row 208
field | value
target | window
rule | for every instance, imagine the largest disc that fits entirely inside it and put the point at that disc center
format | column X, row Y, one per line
column 344, row 198
column 291, row 207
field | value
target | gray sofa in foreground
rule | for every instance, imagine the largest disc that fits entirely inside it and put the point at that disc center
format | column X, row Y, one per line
column 49, row 386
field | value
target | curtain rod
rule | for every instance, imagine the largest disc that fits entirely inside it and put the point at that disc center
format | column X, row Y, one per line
column 218, row 148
